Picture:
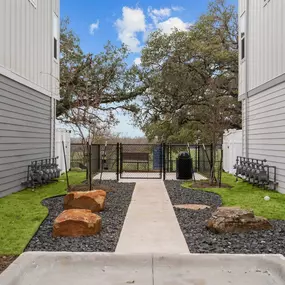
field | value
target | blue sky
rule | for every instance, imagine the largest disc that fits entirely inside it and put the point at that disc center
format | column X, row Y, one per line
column 128, row 21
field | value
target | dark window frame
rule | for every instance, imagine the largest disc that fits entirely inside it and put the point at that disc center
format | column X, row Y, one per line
column 55, row 52
column 243, row 46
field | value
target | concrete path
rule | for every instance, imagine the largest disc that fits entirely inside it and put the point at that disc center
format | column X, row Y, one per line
column 34, row 268
column 151, row 225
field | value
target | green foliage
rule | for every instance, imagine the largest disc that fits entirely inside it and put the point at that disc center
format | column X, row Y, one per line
column 249, row 197
column 93, row 87
column 192, row 79
column 22, row 213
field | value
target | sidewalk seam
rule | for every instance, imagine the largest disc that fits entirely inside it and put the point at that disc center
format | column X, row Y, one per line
column 152, row 268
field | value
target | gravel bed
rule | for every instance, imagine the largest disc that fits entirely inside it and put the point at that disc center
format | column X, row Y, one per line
column 201, row 240
column 116, row 207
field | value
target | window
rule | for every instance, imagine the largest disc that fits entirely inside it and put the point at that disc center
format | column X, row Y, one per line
column 55, row 36
column 55, row 48
column 242, row 26
column 34, row 3
column 242, row 47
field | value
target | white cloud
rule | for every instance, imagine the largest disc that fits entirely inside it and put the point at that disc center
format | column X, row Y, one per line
column 133, row 22
column 177, row 8
column 158, row 14
column 170, row 24
column 93, row 27
column 163, row 12
column 138, row 61
column 128, row 27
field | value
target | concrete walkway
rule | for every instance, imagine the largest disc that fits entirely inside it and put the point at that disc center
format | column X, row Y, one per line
column 58, row 268
column 151, row 225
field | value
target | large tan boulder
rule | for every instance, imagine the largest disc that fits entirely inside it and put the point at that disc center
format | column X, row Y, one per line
column 76, row 223
column 236, row 220
column 194, row 207
column 92, row 200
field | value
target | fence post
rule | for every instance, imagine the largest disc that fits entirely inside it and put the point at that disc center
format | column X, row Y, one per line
column 99, row 157
column 170, row 160
column 118, row 161
column 163, row 160
column 121, row 158
column 212, row 171
column 198, row 158
column 90, row 166
column 221, row 168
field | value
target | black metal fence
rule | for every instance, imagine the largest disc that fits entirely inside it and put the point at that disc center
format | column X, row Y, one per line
column 151, row 161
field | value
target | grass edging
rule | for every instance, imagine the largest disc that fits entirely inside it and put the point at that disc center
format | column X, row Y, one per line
column 22, row 213
column 247, row 196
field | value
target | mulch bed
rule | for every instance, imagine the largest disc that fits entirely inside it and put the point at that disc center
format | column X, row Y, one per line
column 201, row 240
column 116, row 207
column 5, row 261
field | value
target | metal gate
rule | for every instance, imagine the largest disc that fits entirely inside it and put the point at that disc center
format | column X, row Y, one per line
column 144, row 161
column 141, row 161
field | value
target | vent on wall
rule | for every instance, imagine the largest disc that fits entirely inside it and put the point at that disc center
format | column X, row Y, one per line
column 266, row 2
column 34, row 3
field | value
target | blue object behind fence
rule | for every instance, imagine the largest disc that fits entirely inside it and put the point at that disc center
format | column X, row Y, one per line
column 157, row 157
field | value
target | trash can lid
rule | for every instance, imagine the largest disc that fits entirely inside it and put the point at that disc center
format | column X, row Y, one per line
column 184, row 155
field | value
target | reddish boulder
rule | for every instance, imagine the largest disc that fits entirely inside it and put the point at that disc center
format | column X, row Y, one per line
column 92, row 200
column 76, row 223
column 236, row 220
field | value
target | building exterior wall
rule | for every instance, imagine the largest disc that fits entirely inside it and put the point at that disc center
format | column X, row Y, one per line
column 29, row 86
column 26, row 50
column 25, row 128
column 262, row 82
column 263, row 23
column 266, row 129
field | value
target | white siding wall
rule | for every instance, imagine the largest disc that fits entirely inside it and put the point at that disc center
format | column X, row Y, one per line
column 265, row 61
column 243, row 129
column 266, row 41
column 241, row 7
column 26, row 49
column 267, row 129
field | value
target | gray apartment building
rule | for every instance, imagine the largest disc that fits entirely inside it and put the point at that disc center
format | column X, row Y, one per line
column 262, row 81
column 29, row 86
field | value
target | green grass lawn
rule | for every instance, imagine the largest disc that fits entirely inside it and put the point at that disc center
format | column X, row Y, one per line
column 22, row 213
column 246, row 196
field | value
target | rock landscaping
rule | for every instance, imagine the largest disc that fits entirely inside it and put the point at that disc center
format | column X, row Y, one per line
column 91, row 200
column 236, row 220
column 202, row 240
column 195, row 207
column 75, row 223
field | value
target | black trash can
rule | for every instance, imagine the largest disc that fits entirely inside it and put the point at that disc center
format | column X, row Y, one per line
column 184, row 166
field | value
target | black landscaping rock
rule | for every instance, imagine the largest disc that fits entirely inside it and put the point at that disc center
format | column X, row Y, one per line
column 201, row 240
column 113, row 217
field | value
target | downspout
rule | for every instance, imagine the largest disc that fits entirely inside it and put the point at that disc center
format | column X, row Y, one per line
column 246, row 79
